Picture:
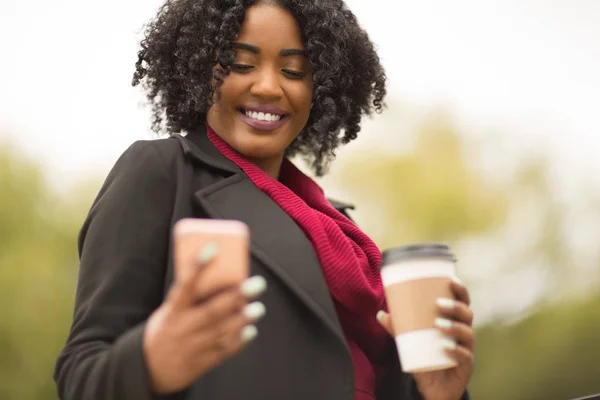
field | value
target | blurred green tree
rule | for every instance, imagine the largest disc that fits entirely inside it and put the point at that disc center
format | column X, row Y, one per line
column 551, row 355
column 432, row 192
column 38, row 271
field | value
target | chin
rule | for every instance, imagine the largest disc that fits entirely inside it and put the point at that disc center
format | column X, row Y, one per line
column 260, row 147
column 258, row 152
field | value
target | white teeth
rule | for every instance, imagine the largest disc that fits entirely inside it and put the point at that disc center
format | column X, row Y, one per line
column 263, row 116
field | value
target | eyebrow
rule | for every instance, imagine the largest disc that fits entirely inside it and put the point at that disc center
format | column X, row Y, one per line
column 292, row 52
column 256, row 50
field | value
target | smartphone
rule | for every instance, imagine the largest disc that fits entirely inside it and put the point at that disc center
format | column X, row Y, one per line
column 230, row 266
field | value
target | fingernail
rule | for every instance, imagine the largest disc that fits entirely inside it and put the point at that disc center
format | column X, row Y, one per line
column 255, row 311
column 208, row 252
column 253, row 287
column 380, row 316
column 448, row 344
column 249, row 333
column 443, row 323
column 458, row 281
column 446, row 303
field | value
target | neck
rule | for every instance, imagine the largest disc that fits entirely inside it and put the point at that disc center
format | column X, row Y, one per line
column 271, row 166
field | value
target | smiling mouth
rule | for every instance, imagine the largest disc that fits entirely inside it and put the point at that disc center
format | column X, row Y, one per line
column 262, row 121
column 262, row 116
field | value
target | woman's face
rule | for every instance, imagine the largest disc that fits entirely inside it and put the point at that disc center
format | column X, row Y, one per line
column 266, row 100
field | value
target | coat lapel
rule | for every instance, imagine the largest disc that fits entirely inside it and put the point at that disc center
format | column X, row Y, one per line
column 276, row 240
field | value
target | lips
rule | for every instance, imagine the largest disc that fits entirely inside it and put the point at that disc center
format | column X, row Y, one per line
column 263, row 125
column 263, row 117
column 264, row 108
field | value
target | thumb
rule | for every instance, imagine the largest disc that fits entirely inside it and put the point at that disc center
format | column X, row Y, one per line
column 183, row 292
column 384, row 320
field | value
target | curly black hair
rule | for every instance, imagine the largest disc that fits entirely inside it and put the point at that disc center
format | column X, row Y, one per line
column 188, row 38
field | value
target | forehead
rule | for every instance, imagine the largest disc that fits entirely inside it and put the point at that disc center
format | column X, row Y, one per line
column 271, row 26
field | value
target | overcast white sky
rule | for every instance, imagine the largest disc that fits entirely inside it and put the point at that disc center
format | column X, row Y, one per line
column 66, row 68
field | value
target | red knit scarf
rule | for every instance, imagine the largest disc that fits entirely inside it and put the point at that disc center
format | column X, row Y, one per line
column 349, row 260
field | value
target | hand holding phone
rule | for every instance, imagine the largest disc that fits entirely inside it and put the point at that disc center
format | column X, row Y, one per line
column 229, row 267
column 205, row 318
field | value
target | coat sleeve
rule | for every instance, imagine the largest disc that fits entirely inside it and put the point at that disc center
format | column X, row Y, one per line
column 123, row 247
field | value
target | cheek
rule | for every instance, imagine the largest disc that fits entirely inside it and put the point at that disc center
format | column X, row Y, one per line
column 231, row 91
column 302, row 98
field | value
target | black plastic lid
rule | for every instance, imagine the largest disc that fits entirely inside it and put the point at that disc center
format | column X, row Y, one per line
column 416, row 251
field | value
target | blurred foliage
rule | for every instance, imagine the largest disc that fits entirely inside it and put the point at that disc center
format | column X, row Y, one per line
column 551, row 355
column 435, row 190
column 38, row 270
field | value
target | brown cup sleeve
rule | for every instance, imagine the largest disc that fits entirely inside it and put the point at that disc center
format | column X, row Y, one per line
column 412, row 304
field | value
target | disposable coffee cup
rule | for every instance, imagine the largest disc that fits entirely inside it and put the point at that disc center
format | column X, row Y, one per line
column 414, row 277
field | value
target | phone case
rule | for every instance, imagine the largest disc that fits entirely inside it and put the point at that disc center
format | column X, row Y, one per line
column 229, row 267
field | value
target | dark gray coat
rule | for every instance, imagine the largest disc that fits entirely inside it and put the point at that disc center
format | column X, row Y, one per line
column 126, row 267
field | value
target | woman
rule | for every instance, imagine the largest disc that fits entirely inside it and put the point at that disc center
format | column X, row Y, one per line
column 251, row 83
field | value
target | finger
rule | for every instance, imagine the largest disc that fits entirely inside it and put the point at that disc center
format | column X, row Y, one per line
column 456, row 310
column 183, row 293
column 385, row 321
column 460, row 290
column 231, row 333
column 214, row 310
column 225, row 339
column 463, row 333
column 460, row 353
column 245, row 336
column 253, row 287
column 235, row 344
column 254, row 311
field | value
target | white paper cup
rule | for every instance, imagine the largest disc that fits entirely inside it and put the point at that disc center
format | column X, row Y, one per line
column 414, row 277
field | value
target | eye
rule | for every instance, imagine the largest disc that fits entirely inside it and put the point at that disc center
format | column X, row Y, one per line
column 293, row 74
column 241, row 68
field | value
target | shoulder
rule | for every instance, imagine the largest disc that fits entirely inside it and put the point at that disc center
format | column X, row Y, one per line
column 155, row 152
column 147, row 158
column 146, row 165
column 139, row 189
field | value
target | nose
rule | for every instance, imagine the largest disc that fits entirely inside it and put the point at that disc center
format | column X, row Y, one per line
column 267, row 85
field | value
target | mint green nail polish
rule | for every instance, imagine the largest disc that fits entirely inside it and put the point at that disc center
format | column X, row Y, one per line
column 208, row 252
column 249, row 333
column 255, row 311
column 443, row 323
column 446, row 303
column 458, row 281
column 253, row 287
column 380, row 316
column 448, row 344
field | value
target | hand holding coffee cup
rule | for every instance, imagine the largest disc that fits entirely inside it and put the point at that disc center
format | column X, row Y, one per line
column 429, row 318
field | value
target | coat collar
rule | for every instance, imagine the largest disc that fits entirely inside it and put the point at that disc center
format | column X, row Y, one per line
column 277, row 241
column 198, row 146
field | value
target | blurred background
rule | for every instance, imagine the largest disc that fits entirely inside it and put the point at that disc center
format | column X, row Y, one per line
column 489, row 142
